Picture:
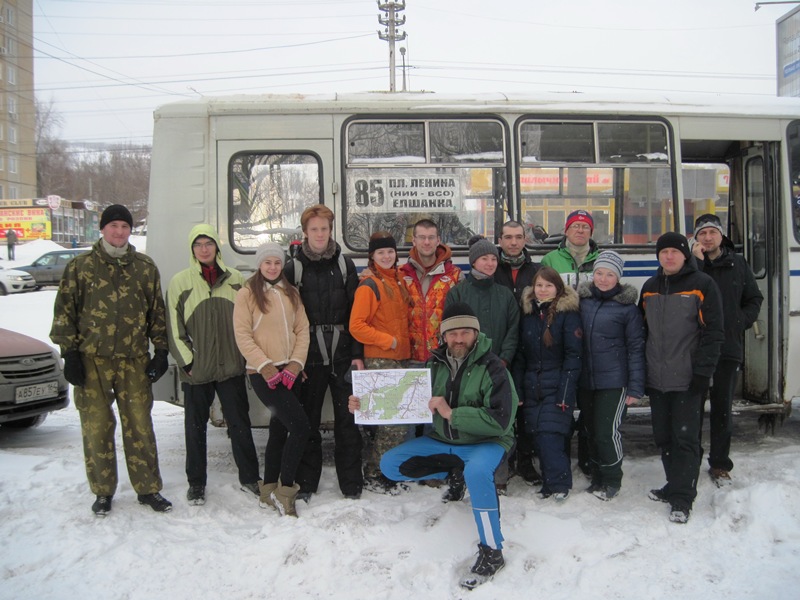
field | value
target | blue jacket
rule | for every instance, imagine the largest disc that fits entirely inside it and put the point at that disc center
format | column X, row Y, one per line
column 548, row 376
column 613, row 341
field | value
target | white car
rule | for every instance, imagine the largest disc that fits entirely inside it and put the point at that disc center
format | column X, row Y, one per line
column 13, row 281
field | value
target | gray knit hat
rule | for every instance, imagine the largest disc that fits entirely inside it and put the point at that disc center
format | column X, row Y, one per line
column 707, row 220
column 608, row 259
column 270, row 250
column 481, row 247
column 459, row 316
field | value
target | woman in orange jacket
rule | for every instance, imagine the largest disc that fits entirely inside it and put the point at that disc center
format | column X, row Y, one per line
column 379, row 320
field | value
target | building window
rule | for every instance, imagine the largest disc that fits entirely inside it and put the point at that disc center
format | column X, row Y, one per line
column 1, row 132
column 11, row 75
column 11, row 103
column 2, row 163
column 10, row 16
column 12, row 135
column 12, row 192
column 12, row 166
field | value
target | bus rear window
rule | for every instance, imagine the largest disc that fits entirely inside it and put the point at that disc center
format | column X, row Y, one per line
column 268, row 193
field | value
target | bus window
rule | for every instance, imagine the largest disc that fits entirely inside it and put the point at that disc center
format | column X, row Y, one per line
column 619, row 171
column 705, row 190
column 793, row 135
column 449, row 170
column 267, row 195
column 757, row 226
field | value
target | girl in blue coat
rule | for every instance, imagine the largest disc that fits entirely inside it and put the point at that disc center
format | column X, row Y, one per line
column 613, row 368
column 548, row 365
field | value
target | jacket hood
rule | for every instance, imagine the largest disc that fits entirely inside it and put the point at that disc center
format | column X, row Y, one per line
column 443, row 253
column 208, row 231
column 569, row 302
column 627, row 295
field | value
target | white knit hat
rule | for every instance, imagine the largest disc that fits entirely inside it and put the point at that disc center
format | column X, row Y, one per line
column 270, row 250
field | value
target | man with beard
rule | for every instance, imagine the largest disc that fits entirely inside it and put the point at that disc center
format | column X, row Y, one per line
column 474, row 403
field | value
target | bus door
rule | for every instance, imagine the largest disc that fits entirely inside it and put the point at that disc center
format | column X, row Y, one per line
column 754, row 173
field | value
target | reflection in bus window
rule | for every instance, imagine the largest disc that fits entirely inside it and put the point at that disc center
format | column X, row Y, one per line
column 757, row 225
column 705, row 190
column 450, row 171
column 619, row 171
column 267, row 195
column 793, row 135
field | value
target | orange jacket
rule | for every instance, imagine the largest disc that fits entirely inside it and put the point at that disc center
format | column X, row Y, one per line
column 377, row 319
column 425, row 313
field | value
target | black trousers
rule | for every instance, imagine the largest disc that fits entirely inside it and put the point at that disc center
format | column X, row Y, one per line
column 721, row 417
column 236, row 410
column 288, row 430
column 346, row 436
column 676, row 418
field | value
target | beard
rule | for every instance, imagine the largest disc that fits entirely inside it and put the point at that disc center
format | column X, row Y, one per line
column 459, row 350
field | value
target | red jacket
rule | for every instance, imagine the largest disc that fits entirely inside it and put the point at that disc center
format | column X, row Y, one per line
column 425, row 314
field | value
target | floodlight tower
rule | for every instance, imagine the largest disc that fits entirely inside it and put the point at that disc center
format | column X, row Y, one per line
column 390, row 32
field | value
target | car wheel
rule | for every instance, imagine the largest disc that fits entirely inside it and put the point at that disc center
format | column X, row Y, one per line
column 2, row 290
column 27, row 422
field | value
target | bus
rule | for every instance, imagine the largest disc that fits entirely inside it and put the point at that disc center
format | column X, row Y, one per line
column 249, row 165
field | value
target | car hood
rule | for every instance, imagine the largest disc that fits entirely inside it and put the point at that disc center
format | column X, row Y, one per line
column 12, row 272
column 17, row 344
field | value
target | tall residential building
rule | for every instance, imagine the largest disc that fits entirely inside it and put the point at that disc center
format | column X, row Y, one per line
column 17, row 112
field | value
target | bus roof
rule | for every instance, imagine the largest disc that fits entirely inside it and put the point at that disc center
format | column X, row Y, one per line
column 549, row 103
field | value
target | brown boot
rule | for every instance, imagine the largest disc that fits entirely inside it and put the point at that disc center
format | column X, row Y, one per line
column 284, row 497
column 265, row 491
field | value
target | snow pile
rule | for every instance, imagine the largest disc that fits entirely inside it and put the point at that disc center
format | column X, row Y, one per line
column 742, row 542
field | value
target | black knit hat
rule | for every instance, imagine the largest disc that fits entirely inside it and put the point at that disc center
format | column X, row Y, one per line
column 116, row 212
column 376, row 243
column 673, row 239
column 459, row 316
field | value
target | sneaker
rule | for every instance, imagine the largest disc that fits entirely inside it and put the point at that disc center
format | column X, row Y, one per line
column 383, row 485
column 456, row 486
column 102, row 506
column 658, row 495
column 678, row 515
column 304, row 496
column 720, row 477
column 544, row 495
column 485, row 568
column 196, row 495
column 593, row 488
column 560, row 497
column 155, row 501
column 250, row 487
column 353, row 496
column 501, row 489
column 605, row 493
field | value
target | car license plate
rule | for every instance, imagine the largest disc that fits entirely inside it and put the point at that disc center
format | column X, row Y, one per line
column 28, row 393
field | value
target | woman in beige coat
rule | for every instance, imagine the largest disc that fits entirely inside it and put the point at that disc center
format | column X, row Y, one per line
column 272, row 333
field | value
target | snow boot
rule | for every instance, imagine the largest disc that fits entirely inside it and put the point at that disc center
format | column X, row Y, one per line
column 102, row 506
column 679, row 515
column 155, row 501
column 196, row 495
column 488, row 564
column 265, row 492
column 720, row 477
column 658, row 495
column 605, row 492
column 457, row 487
column 284, row 499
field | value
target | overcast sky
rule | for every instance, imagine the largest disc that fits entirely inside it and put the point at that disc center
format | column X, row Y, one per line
column 108, row 63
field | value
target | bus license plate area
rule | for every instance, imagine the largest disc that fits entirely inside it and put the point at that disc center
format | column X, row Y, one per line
column 37, row 391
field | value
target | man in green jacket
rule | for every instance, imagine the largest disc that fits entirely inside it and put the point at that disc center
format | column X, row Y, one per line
column 200, row 326
column 107, row 311
column 474, row 403
column 574, row 258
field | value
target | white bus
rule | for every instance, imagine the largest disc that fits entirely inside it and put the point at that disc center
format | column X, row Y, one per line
column 250, row 165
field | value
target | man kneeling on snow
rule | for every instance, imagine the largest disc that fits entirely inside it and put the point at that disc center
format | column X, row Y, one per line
column 473, row 407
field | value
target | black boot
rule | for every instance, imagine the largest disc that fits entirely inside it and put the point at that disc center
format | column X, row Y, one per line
column 488, row 564
column 457, row 487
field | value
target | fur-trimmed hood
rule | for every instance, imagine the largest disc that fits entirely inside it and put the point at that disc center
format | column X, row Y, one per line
column 569, row 302
column 627, row 295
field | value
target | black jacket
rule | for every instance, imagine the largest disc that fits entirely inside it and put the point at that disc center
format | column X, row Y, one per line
column 741, row 298
column 525, row 276
column 683, row 319
column 327, row 298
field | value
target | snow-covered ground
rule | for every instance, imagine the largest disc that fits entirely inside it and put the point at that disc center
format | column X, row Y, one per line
column 742, row 542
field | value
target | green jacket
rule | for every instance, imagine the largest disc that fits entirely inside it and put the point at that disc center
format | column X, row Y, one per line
column 110, row 307
column 497, row 311
column 561, row 260
column 482, row 396
column 200, row 319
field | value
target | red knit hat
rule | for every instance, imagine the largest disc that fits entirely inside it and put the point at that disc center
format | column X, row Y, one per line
column 579, row 216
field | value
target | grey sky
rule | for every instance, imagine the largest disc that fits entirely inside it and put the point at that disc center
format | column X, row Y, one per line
column 108, row 63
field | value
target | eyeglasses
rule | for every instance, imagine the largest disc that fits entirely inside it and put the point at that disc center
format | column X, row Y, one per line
column 580, row 227
column 204, row 245
column 426, row 238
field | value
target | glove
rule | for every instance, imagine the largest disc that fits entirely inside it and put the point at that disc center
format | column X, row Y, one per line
column 699, row 384
column 272, row 376
column 157, row 366
column 73, row 368
column 288, row 378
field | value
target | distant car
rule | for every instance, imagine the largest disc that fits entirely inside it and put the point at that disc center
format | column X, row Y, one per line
column 32, row 382
column 48, row 268
column 13, row 281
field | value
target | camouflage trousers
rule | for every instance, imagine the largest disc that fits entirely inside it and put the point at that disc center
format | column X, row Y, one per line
column 382, row 438
column 123, row 380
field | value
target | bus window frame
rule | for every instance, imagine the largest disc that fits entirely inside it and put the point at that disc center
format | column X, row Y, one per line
column 673, row 163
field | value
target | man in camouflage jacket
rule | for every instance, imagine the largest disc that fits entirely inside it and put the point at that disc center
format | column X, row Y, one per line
column 108, row 309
